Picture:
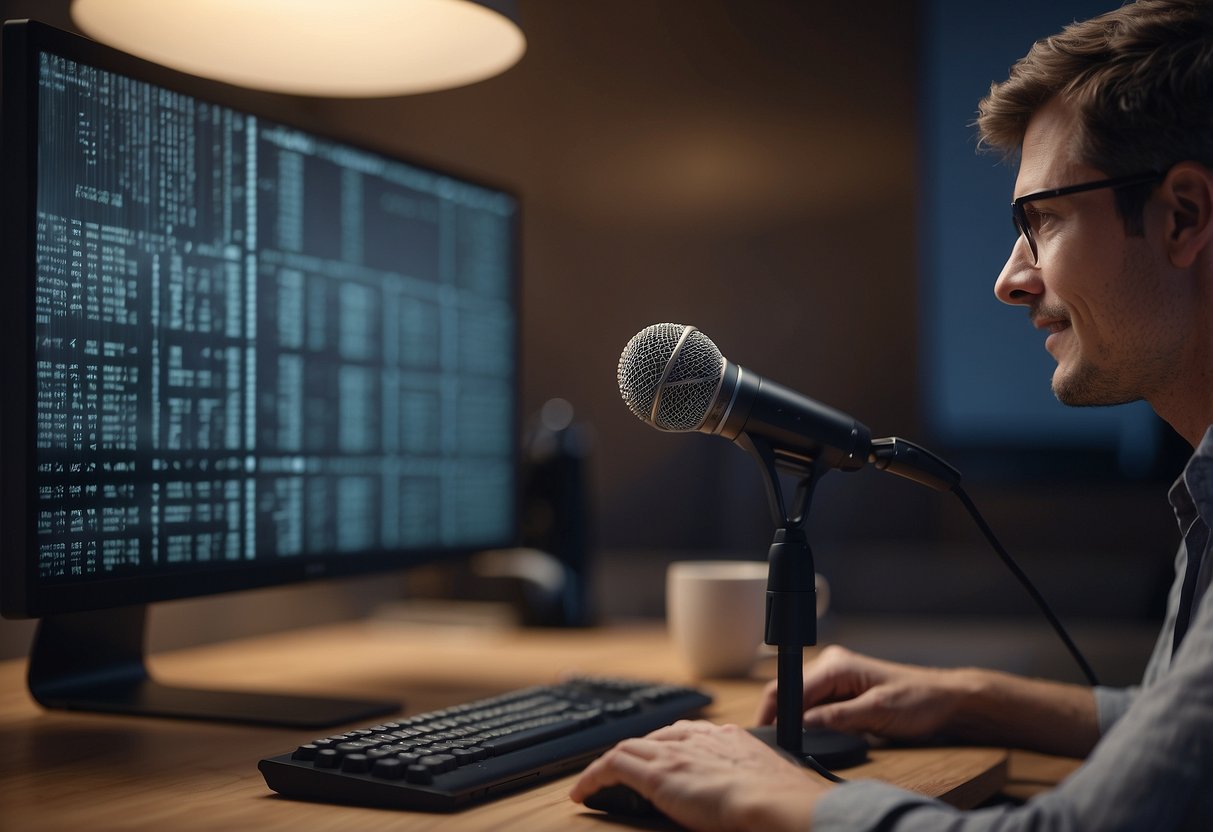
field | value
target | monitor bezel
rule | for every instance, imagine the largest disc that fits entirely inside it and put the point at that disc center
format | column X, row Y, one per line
column 22, row 593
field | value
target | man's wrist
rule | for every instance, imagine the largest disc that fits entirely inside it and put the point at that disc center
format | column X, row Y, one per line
column 972, row 712
column 787, row 805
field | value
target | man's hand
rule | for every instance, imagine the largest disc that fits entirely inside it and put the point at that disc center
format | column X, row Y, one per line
column 847, row 692
column 709, row 777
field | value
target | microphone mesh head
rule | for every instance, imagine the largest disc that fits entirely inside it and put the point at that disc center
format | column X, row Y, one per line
column 686, row 393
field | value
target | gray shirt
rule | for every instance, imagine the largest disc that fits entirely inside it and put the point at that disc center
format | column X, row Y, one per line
column 1152, row 768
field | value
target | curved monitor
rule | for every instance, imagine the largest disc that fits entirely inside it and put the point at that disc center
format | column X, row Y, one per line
column 236, row 353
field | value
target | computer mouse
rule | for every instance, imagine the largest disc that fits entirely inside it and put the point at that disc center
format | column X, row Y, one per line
column 622, row 800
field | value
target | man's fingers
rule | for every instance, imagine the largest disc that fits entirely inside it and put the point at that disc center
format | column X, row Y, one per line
column 766, row 706
column 864, row 713
column 598, row 775
column 630, row 762
column 680, row 730
column 833, row 717
column 625, row 763
column 836, row 673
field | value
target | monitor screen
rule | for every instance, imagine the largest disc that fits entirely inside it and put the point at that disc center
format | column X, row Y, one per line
column 237, row 353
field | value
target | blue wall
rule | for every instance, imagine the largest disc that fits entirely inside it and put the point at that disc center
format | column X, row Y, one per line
column 984, row 370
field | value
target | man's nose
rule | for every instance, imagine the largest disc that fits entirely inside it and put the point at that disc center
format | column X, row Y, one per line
column 1019, row 282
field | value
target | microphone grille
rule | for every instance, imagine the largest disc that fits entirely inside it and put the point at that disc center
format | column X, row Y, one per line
column 675, row 366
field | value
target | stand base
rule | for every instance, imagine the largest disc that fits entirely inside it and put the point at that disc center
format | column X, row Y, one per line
column 150, row 698
column 830, row 748
column 93, row 661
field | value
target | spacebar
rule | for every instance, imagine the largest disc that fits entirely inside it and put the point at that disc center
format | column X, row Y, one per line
column 533, row 736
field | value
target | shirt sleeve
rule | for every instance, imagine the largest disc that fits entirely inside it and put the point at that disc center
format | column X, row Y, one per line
column 1111, row 704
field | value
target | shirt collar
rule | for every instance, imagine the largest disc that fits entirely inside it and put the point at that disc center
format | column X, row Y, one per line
column 1192, row 493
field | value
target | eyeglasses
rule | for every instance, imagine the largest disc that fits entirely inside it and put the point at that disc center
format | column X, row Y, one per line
column 1020, row 217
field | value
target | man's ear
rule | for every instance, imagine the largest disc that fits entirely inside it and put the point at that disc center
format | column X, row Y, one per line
column 1187, row 192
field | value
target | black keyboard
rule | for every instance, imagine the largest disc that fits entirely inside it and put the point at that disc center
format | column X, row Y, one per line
column 450, row 758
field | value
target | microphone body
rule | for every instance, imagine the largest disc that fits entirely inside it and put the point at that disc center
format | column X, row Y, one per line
column 796, row 426
column 675, row 379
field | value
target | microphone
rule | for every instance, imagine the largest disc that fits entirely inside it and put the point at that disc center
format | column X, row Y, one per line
column 675, row 379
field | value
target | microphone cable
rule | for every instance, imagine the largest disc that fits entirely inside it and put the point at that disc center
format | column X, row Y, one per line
column 1023, row 579
column 808, row 761
column 914, row 462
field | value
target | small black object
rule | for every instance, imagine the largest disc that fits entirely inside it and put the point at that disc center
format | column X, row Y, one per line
column 389, row 768
column 622, row 800
column 830, row 749
column 356, row 763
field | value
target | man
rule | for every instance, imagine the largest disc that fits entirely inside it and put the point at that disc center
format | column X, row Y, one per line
column 1113, row 122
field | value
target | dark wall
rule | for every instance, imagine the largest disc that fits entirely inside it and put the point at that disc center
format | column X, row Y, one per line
column 748, row 166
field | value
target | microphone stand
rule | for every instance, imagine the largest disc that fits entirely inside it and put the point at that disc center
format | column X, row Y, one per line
column 791, row 611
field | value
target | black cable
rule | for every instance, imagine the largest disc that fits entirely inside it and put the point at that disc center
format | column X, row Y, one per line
column 808, row 761
column 1027, row 584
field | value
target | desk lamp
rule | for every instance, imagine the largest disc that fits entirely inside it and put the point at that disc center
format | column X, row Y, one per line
column 352, row 48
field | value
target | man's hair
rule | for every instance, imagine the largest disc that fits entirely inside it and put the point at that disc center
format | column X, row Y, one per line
column 1141, row 81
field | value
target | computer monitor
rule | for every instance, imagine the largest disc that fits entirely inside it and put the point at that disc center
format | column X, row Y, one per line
column 235, row 354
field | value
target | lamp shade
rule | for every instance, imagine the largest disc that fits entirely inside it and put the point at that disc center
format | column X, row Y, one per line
column 351, row 48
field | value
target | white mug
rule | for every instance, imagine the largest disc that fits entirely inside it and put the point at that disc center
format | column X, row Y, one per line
column 716, row 613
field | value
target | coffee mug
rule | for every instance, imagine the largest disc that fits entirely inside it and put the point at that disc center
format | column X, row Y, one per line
column 716, row 613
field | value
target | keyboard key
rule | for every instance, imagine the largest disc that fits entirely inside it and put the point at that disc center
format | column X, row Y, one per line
column 327, row 758
column 419, row 774
column 351, row 747
column 532, row 736
column 438, row 763
column 389, row 768
column 464, row 756
column 356, row 763
column 620, row 708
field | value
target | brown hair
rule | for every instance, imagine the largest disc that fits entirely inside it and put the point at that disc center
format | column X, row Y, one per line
column 1141, row 80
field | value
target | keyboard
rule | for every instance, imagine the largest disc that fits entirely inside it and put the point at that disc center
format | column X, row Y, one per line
column 457, row 756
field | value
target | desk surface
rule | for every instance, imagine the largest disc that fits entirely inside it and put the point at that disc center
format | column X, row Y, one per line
column 62, row 770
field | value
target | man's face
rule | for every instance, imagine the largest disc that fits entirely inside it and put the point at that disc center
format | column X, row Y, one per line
column 1098, row 293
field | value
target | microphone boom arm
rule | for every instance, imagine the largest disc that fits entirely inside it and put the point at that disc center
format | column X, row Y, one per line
column 771, row 461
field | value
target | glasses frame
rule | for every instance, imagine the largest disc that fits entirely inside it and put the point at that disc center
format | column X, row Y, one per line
column 1020, row 217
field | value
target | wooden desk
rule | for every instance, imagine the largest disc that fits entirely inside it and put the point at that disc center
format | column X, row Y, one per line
column 62, row 770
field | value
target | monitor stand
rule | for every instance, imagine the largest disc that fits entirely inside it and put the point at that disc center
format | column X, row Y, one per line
column 93, row 661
